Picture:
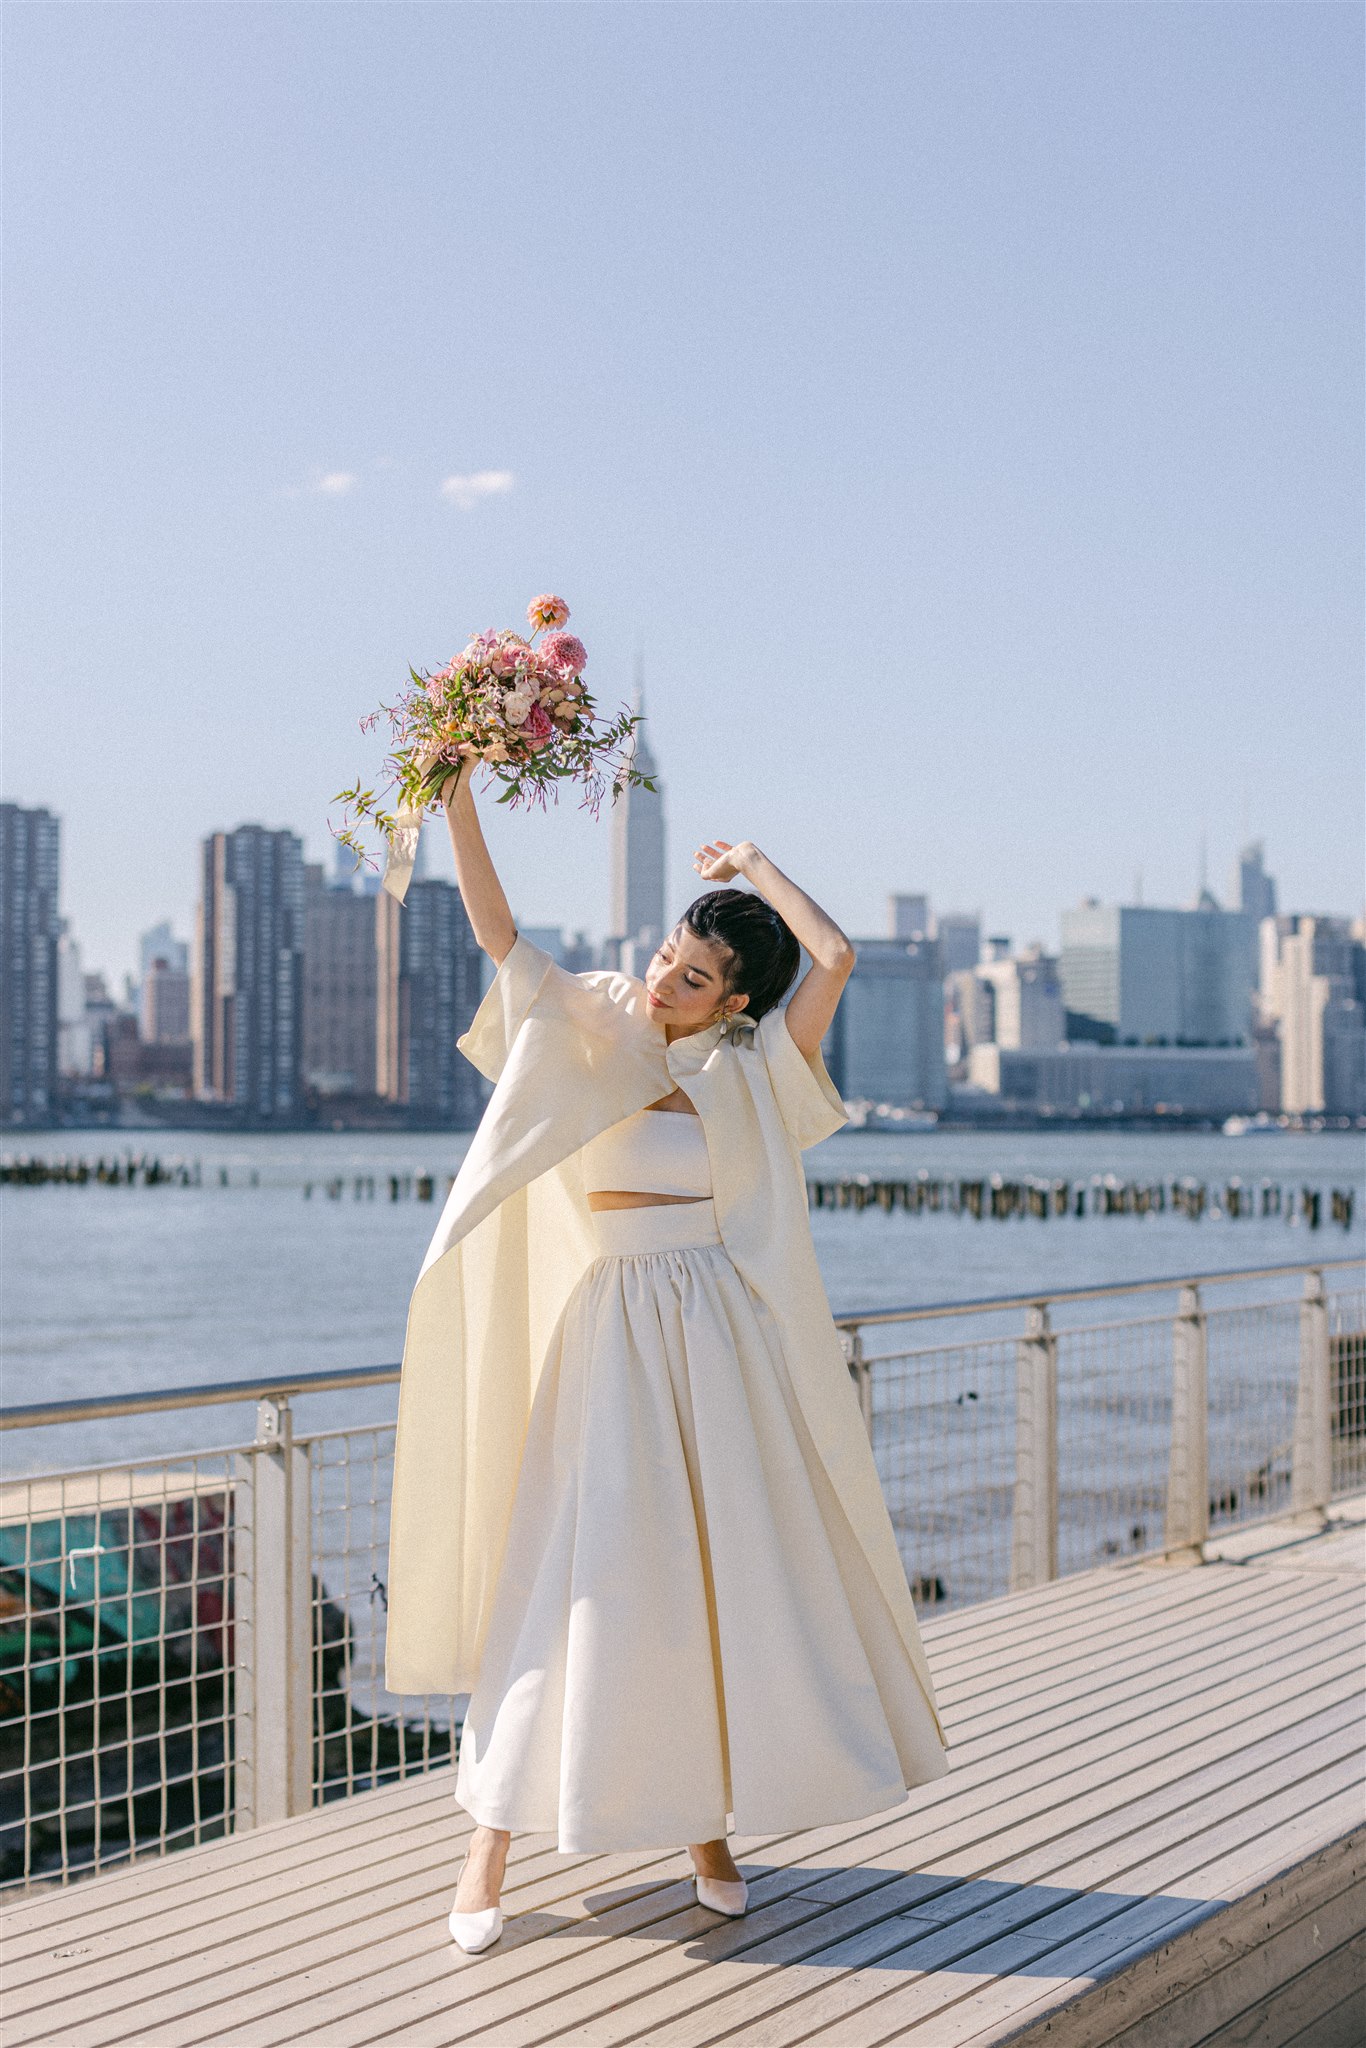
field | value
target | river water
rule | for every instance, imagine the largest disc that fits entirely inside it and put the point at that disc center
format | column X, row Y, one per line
column 129, row 1288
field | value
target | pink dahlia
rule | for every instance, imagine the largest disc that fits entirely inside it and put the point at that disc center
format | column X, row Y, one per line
column 537, row 727
column 563, row 654
column 547, row 611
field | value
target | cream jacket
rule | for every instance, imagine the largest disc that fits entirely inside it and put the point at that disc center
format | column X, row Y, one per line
column 571, row 1054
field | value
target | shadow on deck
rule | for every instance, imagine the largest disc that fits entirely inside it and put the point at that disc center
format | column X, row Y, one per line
column 1153, row 1834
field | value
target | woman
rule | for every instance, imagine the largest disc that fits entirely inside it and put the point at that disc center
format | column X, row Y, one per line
column 635, row 1510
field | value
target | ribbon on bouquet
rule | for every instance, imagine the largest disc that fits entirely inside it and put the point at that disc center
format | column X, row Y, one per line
column 402, row 854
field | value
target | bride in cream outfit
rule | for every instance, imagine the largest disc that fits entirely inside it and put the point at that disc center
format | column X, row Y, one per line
column 635, row 1512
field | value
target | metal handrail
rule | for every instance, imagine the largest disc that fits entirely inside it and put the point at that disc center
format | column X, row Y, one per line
column 37, row 1414
column 850, row 1318
column 33, row 1414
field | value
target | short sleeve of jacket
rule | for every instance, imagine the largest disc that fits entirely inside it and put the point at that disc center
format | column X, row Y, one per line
column 593, row 1007
column 808, row 1100
column 507, row 1000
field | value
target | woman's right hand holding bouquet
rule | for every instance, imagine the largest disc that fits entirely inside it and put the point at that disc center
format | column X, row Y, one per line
column 521, row 708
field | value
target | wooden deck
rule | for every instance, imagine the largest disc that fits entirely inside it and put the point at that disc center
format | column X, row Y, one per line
column 1153, row 1834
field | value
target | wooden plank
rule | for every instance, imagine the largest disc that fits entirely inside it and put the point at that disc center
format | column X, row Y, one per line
column 995, row 1924
column 236, row 1926
column 1205, row 1979
column 496, row 2014
column 914, row 1992
column 221, row 1858
column 293, row 1825
column 1344, row 2027
column 1129, row 1670
column 371, row 1960
column 1136, row 1933
column 1017, row 1686
column 580, row 1960
column 211, row 1903
column 1258, row 1977
column 1294, row 2009
column 1149, row 1953
column 1020, row 1628
column 1047, row 1727
column 114, row 1891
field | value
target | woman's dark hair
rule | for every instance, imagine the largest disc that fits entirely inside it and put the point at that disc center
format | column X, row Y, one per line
column 764, row 954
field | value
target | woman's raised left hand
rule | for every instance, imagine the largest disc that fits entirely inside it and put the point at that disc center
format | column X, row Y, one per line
column 719, row 861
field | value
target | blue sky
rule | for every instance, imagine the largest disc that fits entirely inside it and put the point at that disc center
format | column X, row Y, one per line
column 960, row 405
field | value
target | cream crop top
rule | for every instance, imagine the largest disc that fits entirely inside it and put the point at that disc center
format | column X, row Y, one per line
column 654, row 1152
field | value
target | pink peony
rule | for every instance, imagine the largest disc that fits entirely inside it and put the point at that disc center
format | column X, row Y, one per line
column 547, row 611
column 563, row 654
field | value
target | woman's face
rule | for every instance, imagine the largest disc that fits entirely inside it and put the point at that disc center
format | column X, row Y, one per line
column 686, row 983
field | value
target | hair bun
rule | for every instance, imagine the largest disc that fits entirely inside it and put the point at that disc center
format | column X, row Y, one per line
column 764, row 954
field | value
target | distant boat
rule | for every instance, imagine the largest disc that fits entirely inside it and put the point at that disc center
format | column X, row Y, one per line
column 1262, row 1124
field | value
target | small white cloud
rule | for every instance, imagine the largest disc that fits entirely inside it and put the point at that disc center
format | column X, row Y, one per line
column 336, row 483
column 466, row 491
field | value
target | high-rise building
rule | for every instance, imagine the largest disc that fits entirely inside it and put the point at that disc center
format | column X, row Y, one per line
column 969, row 1015
column 959, row 933
column 246, row 1008
column 75, row 1038
column 165, row 1004
column 102, row 1015
column 908, row 916
column 1254, row 889
column 1137, row 975
column 1316, row 991
column 340, row 986
column 1026, row 1001
column 163, row 987
column 29, row 931
column 638, row 860
column 161, row 943
column 886, row 1043
column 429, row 980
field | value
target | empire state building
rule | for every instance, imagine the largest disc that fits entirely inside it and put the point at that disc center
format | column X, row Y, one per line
column 637, row 861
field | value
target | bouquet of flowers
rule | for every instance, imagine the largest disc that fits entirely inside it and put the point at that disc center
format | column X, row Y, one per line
column 520, row 707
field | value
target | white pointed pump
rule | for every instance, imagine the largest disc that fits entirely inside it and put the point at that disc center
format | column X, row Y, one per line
column 473, row 1931
column 722, row 1895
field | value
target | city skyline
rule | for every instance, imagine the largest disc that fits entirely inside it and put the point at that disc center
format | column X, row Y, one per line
column 981, row 481
column 305, row 995
column 434, row 861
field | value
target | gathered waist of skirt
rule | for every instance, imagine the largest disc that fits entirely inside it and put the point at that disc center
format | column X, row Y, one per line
column 655, row 1227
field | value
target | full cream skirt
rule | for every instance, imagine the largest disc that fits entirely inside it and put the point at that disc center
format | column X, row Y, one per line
column 686, row 1636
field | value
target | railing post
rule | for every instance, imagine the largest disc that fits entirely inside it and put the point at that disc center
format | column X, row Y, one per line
column 1034, row 1524
column 1311, row 1470
column 273, row 1719
column 861, row 1372
column 1188, row 1454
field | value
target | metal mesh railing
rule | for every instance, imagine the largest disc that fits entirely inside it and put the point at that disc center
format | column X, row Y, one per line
column 193, row 1646
column 1254, row 1363
column 116, row 1664
column 1347, row 1369
column 944, row 1439
column 1114, row 1427
column 364, row 1736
